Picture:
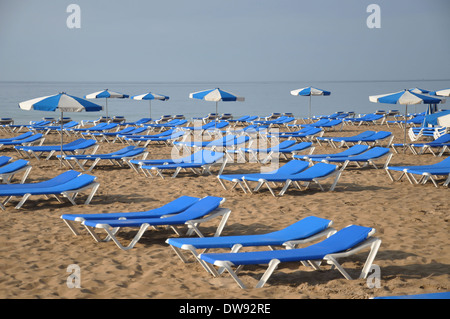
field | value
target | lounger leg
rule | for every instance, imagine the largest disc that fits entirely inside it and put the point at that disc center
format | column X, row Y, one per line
column 373, row 252
column 227, row 266
column 247, row 186
column 270, row 269
column 71, row 227
column 136, row 238
column 221, row 183
column 447, row 181
column 23, row 200
column 338, row 175
column 25, row 175
column 285, row 187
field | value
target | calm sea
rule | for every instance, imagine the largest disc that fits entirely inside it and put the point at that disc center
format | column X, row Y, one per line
column 261, row 98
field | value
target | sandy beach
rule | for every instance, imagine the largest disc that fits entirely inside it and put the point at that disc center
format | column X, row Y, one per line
column 411, row 220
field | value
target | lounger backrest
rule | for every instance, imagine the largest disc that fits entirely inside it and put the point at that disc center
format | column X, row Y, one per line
column 364, row 134
column 443, row 163
column 291, row 167
column 199, row 209
column 355, row 149
column 378, row 135
column 123, row 150
column 343, row 240
column 19, row 137
column 202, row 156
column 76, row 183
column 134, row 152
column 442, row 139
column 304, row 228
column 284, row 144
column 178, row 205
column 57, row 180
column 85, row 144
column 318, row 170
column 4, row 160
column 373, row 152
column 11, row 167
column 30, row 138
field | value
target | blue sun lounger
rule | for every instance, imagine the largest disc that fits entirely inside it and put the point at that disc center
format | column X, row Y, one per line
column 436, row 147
column 202, row 211
column 30, row 140
column 426, row 171
column 103, row 136
column 166, row 138
column 8, row 171
column 200, row 166
column 51, row 128
column 371, row 140
column 5, row 160
column 288, row 134
column 174, row 207
column 260, row 154
column 290, row 168
column 118, row 157
column 353, row 150
column 107, row 128
column 242, row 119
column 307, row 135
column 315, row 173
column 367, row 158
column 74, row 147
column 94, row 128
column 137, row 138
column 200, row 128
column 366, row 119
column 303, row 231
column 17, row 138
column 333, row 140
column 139, row 122
column 292, row 150
column 220, row 142
column 196, row 157
column 69, row 189
column 346, row 242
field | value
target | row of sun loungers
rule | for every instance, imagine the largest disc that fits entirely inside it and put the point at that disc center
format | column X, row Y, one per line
column 191, row 212
column 68, row 184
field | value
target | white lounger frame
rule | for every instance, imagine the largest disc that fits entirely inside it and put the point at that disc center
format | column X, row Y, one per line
column 192, row 226
column 70, row 195
column 373, row 243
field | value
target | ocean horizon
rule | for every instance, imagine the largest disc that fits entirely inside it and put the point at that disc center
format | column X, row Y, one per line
column 261, row 97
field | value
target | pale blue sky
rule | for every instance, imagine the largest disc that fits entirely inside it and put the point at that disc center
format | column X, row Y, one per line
column 224, row 40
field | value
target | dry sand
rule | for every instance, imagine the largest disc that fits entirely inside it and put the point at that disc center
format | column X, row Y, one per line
column 412, row 221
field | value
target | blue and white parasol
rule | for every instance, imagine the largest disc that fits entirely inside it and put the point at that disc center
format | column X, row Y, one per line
column 150, row 96
column 310, row 91
column 106, row 94
column 62, row 102
column 405, row 97
column 216, row 95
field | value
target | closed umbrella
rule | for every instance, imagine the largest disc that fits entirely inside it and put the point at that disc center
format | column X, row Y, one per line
column 62, row 102
column 150, row 96
column 106, row 94
column 216, row 95
column 310, row 91
column 405, row 97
